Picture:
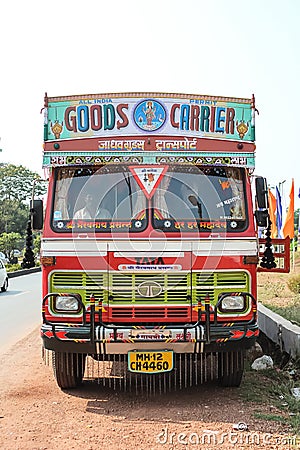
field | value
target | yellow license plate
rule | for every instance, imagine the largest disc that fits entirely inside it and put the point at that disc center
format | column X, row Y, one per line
column 150, row 362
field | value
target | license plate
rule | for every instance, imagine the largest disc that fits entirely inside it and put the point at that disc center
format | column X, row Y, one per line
column 150, row 362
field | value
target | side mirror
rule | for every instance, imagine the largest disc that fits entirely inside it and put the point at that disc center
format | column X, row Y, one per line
column 262, row 218
column 37, row 214
column 261, row 192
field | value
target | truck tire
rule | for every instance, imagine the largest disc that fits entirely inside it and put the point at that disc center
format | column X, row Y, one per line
column 230, row 368
column 68, row 369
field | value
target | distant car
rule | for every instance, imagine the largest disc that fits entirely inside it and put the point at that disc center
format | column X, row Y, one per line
column 3, row 258
column 17, row 253
column 3, row 277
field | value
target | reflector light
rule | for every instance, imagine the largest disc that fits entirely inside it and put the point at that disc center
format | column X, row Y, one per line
column 47, row 260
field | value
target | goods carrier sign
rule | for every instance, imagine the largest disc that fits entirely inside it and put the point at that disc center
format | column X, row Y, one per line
column 160, row 114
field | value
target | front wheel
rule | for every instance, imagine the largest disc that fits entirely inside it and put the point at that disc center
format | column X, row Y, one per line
column 231, row 368
column 68, row 369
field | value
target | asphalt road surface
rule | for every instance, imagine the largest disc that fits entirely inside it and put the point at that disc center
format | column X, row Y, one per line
column 20, row 309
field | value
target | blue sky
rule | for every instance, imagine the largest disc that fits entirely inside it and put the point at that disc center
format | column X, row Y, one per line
column 220, row 47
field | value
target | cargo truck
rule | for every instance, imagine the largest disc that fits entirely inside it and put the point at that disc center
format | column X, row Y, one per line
column 150, row 246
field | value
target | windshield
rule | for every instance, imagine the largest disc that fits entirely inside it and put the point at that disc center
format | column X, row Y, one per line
column 172, row 198
column 96, row 198
column 208, row 198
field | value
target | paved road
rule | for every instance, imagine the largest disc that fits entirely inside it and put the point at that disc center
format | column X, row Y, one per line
column 20, row 309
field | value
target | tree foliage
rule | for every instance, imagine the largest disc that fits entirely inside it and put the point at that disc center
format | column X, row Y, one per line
column 13, row 216
column 8, row 242
column 16, row 183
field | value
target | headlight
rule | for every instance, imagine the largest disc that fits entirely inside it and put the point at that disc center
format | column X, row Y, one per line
column 67, row 303
column 232, row 303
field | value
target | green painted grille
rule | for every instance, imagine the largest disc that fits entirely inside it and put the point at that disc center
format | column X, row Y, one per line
column 117, row 288
column 217, row 282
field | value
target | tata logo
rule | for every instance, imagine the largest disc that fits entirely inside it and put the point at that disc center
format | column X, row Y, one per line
column 149, row 289
column 145, row 261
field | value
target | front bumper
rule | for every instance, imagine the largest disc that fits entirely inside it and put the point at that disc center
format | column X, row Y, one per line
column 110, row 339
column 97, row 338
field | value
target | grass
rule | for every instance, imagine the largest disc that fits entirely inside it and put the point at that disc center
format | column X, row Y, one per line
column 290, row 312
column 273, row 387
column 274, row 292
column 269, row 417
column 286, row 304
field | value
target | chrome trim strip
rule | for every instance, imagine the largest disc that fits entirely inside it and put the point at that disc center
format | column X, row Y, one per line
column 202, row 247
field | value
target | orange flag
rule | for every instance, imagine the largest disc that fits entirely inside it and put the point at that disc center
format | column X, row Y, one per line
column 288, row 229
column 272, row 209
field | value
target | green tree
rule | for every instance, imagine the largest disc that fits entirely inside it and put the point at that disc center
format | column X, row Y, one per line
column 13, row 216
column 37, row 243
column 16, row 186
column 8, row 242
column 16, row 183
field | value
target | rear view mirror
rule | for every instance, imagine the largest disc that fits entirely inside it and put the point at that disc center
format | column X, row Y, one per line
column 37, row 214
column 261, row 192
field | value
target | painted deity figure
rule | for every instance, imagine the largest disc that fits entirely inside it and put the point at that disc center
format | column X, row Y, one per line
column 150, row 113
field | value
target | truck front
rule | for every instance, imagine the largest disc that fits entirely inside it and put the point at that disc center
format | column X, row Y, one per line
column 149, row 250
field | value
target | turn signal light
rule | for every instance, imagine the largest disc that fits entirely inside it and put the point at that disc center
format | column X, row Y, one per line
column 253, row 259
column 47, row 260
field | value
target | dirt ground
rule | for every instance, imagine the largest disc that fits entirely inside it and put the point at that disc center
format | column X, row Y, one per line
column 36, row 414
column 273, row 287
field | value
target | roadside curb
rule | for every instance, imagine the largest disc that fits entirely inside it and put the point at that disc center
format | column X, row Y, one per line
column 279, row 330
column 18, row 273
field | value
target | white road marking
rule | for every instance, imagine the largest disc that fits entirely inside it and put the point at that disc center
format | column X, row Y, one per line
column 21, row 293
